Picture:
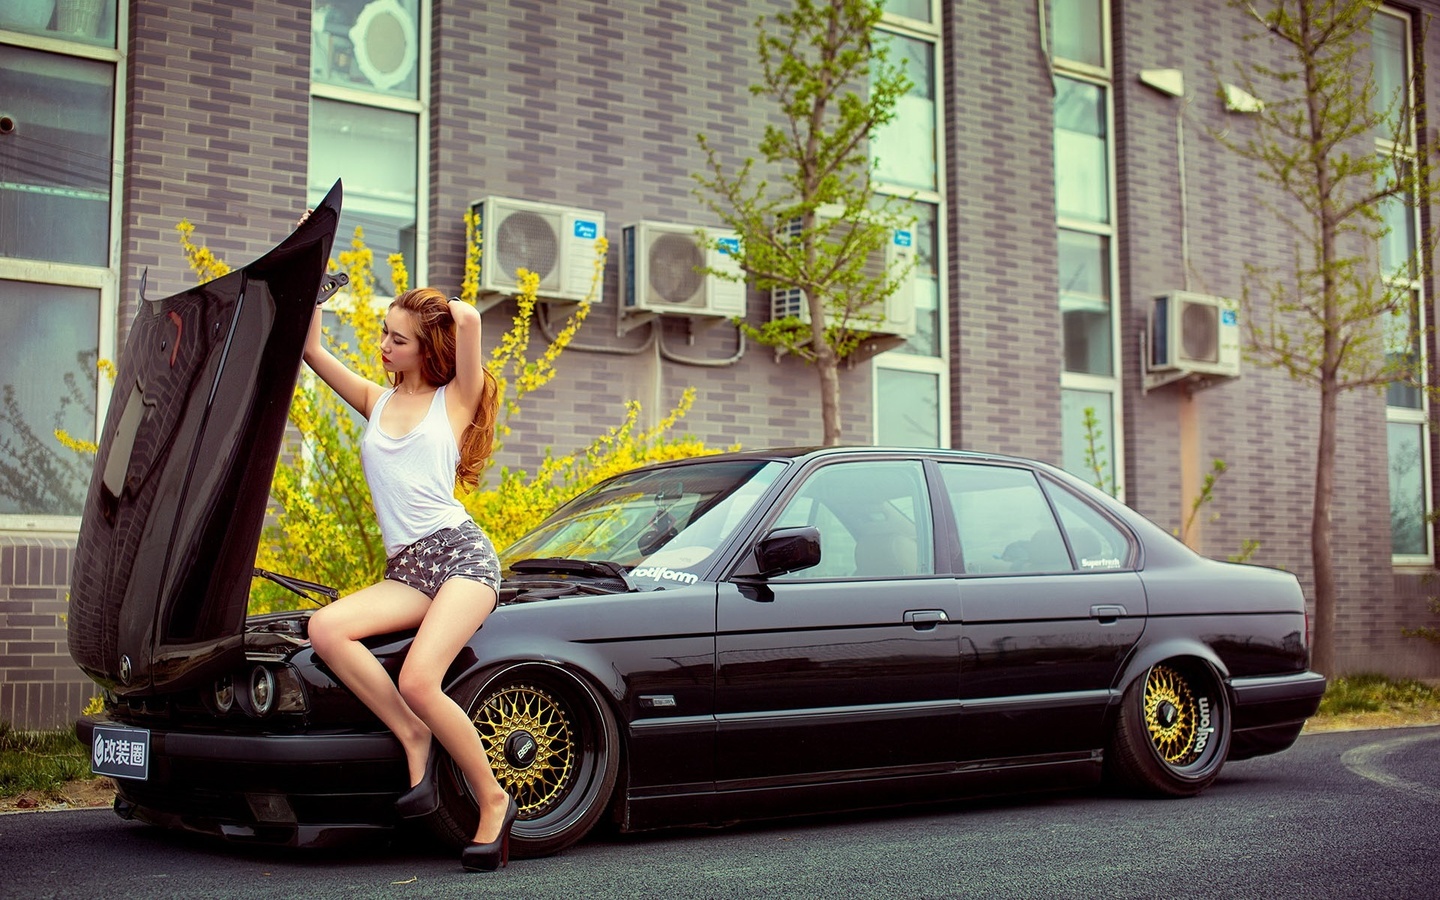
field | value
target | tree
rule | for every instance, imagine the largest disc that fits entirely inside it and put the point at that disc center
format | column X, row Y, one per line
column 1338, row 153
column 821, row 234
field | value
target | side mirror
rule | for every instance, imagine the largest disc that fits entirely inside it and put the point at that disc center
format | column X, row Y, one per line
column 786, row 550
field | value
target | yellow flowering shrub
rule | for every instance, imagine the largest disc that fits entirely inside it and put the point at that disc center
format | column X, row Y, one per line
column 322, row 527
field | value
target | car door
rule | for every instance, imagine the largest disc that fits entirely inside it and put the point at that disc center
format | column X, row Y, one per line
column 1049, row 613
column 851, row 665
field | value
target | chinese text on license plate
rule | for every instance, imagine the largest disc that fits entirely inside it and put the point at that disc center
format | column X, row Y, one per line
column 120, row 752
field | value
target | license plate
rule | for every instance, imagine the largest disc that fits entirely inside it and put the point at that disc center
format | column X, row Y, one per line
column 120, row 752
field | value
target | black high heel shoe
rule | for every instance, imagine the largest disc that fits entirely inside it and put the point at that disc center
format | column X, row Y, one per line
column 424, row 798
column 496, row 854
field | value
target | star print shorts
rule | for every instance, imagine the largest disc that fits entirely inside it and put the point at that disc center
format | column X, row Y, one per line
column 460, row 552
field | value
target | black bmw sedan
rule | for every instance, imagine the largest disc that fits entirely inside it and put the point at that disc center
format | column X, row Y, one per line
column 729, row 637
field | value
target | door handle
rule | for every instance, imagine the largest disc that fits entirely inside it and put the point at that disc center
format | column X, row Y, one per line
column 1107, row 612
column 925, row 619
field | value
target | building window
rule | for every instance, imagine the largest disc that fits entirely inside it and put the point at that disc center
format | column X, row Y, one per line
column 1078, row 34
column 72, row 21
column 59, row 177
column 911, row 385
column 1085, row 239
column 367, row 115
column 1406, row 406
column 55, row 167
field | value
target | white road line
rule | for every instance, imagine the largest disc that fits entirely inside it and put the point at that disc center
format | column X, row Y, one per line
column 1366, row 761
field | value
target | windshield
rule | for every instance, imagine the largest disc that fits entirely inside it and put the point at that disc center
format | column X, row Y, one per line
column 653, row 521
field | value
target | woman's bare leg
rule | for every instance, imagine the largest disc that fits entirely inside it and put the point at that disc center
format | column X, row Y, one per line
column 335, row 633
column 456, row 613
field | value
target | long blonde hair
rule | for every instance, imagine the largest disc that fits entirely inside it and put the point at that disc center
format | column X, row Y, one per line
column 435, row 332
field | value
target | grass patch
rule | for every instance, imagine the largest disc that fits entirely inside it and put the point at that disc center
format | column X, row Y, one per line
column 40, row 761
column 1377, row 693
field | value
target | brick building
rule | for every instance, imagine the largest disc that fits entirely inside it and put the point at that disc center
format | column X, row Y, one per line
column 1062, row 165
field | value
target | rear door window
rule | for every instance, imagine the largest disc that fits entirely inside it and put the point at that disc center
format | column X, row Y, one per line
column 1004, row 522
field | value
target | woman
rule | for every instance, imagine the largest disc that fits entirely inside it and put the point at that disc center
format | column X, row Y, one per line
column 435, row 425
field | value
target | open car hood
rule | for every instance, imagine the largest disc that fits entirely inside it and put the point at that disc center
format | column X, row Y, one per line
column 177, row 500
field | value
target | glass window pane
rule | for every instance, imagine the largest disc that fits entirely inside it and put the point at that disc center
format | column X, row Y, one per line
column 1003, row 520
column 1076, row 31
column 1087, row 431
column 926, row 339
column 907, row 408
column 1402, row 354
column 904, row 150
column 375, row 152
column 47, row 381
column 910, row 9
column 874, row 520
column 86, row 21
column 55, row 167
column 1397, row 217
column 1407, row 490
column 370, row 45
column 1084, row 270
column 1097, row 542
column 1082, row 184
column 1389, row 36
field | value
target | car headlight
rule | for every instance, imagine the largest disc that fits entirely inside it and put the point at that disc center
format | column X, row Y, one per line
column 262, row 690
column 224, row 694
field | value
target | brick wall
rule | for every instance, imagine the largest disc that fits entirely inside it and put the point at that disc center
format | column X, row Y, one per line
column 1000, row 170
column 40, row 687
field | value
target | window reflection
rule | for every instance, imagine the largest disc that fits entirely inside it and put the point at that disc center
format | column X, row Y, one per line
column 55, row 169
column 1388, row 46
column 375, row 151
column 48, row 381
column 1082, row 187
column 1407, row 490
column 1084, row 268
column 904, row 150
column 1077, row 31
column 1087, row 424
column 369, row 45
column 908, row 409
column 88, row 22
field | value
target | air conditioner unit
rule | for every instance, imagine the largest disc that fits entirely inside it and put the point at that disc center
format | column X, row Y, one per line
column 662, row 270
column 1194, row 333
column 899, row 317
column 557, row 243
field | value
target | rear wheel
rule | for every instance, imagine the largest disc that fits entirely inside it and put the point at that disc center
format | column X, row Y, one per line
column 1173, row 731
column 554, row 746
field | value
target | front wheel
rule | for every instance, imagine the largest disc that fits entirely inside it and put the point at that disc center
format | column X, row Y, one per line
column 1173, row 731
column 554, row 747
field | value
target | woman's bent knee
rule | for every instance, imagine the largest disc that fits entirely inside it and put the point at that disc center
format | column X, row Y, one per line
column 419, row 691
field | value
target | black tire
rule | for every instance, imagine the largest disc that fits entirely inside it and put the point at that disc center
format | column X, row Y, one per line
column 554, row 747
column 1173, row 732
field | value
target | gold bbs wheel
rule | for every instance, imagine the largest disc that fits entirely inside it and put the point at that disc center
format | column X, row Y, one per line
column 554, row 746
column 1171, row 716
column 531, row 743
column 1172, row 732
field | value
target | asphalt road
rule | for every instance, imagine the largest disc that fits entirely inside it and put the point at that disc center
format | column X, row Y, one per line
column 1350, row 814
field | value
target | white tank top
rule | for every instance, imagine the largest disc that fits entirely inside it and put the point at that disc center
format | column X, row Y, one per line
column 412, row 477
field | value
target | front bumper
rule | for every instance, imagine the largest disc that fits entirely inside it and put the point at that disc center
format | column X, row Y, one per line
column 1270, row 711
column 299, row 790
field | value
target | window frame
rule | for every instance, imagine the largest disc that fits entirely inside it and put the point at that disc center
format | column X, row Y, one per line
column 898, row 359
column 1402, row 415
column 1113, row 383
column 419, row 106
